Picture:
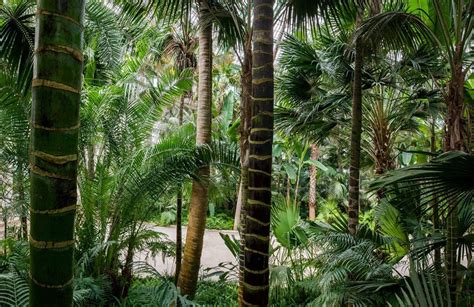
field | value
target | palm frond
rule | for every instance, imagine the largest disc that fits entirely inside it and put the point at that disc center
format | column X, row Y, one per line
column 395, row 30
column 17, row 40
column 448, row 178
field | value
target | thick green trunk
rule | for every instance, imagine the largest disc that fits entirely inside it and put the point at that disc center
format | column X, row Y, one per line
column 188, row 276
column 255, row 272
column 356, row 133
column 54, row 140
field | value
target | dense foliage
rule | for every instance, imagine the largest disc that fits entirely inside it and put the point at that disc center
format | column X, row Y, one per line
column 380, row 214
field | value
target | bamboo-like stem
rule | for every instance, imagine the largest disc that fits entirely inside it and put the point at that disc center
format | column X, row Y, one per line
column 254, row 282
column 56, row 91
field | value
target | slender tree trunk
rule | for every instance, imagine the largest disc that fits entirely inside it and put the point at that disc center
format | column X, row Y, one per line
column 313, row 209
column 188, row 276
column 288, row 190
column 179, row 211
column 245, row 110
column 54, row 150
column 90, row 162
column 21, row 201
column 255, row 272
column 356, row 133
column 455, row 140
column 127, row 272
column 437, row 250
column 245, row 122
column 20, row 191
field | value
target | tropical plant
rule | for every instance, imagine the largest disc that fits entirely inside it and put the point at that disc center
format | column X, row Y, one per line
column 452, row 192
column 54, row 151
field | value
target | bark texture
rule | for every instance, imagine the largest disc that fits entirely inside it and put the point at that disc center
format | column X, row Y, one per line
column 56, row 91
column 255, row 272
column 245, row 115
column 356, row 133
column 188, row 276
column 313, row 208
column 455, row 140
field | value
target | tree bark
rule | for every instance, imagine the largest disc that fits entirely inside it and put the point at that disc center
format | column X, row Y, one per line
column 455, row 140
column 437, row 250
column 255, row 272
column 356, row 133
column 56, row 92
column 20, row 190
column 179, row 211
column 90, row 162
column 245, row 110
column 313, row 209
column 188, row 276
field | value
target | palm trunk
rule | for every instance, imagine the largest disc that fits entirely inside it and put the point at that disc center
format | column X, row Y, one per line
column 437, row 250
column 90, row 162
column 255, row 272
column 19, row 189
column 356, row 133
column 179, row 212
column 245, row 109
column 54, row 150
column 188, row 276
column 21, row 201
column 455, row 141
column 313, row 209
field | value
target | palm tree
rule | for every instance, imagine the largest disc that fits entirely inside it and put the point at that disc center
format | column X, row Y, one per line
column 356, row 133
column 450, row 26
column 182, row 46
column 54, row 150
column 254, row 282
column 200, row 190
column 169, row 11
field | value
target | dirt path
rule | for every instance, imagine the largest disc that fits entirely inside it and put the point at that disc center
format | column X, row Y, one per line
column 214, row 251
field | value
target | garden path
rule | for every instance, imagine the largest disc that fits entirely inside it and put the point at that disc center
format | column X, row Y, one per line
column 214, row 251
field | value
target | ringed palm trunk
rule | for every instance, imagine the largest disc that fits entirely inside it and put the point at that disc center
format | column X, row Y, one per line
column 54, row 150
column 356, row 133
column 188, row 275
column 254, row 280
column 245, row 110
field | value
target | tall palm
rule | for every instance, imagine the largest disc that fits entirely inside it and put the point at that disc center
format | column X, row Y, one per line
column 168, row 11
column 54, row 150
column 255, row 274
column 356, row 132
column 182, row 46
column 200, row 190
